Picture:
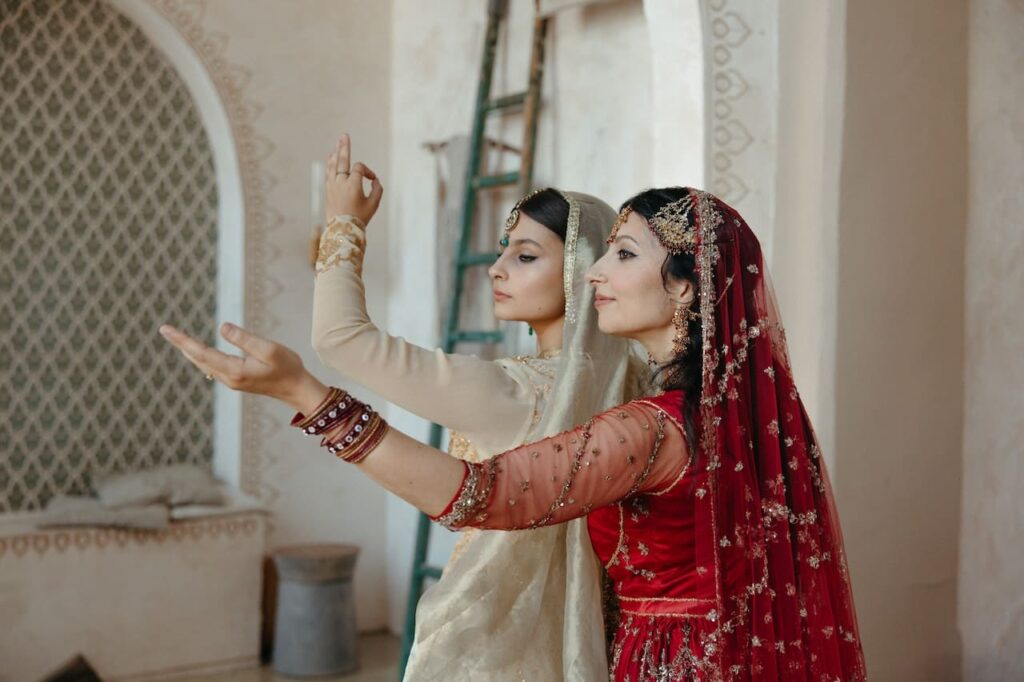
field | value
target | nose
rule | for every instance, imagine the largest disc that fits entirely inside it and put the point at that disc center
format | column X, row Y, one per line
column 497, row 270
column 595, row 274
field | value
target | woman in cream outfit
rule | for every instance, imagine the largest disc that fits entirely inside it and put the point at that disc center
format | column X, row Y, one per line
column 529, row 604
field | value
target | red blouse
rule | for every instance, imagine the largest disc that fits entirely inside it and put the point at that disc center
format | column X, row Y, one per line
column 627, row 469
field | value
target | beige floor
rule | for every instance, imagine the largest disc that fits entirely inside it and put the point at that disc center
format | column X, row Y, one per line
column 378, row 659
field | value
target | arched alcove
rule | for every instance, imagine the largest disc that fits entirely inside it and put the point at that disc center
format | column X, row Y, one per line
column 126, row 211
column 231, row 247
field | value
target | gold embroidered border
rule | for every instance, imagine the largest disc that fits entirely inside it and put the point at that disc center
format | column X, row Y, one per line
column 622, row 538
column 572, row 234
column 343, row 240
column 686, row 467
column 668, row 599
column 644, row 614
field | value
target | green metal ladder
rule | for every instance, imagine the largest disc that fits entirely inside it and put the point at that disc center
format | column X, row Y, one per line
column 529, row 103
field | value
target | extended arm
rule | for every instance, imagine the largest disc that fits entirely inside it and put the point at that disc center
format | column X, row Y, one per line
column 459, row 391
column 630, row 449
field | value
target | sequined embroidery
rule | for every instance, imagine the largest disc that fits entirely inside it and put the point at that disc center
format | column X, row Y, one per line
column 460, row 447
column 472, row 496
column 343, row 240
column 574, row 469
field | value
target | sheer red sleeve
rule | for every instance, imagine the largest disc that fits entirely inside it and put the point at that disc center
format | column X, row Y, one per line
column 630, row 449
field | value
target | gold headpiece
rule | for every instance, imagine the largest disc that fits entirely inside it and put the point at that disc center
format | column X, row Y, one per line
column 670, row 225
column 513, row 217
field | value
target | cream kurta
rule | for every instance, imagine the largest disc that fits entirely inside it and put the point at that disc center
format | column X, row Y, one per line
column 515, row 605
column 491, row 406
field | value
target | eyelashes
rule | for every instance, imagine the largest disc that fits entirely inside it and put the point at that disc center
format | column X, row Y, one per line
column 522, row 258
column 625, row 254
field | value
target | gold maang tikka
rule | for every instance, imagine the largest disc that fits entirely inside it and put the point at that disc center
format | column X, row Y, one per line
column 622, row 217
column 513, row 216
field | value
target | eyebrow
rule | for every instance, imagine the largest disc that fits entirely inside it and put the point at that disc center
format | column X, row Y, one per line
column 626, row 236
column 527, row 241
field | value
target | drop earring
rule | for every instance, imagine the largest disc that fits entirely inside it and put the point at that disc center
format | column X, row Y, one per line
column 681, row 321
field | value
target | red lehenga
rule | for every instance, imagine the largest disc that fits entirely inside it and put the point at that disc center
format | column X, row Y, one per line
column 727, row 562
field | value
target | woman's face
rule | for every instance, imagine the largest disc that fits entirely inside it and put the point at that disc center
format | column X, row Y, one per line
column 630, row 295
column 527, row 277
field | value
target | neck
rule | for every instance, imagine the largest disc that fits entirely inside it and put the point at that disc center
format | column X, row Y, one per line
column 549, row 335
column 658, row 344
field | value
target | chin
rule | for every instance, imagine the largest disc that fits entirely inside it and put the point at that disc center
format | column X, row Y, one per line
column 607, row 325
column 502, row 313
column 612, row 327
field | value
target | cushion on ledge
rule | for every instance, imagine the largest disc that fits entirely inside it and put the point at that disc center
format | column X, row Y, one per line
column 172, row 485
column 88, row 511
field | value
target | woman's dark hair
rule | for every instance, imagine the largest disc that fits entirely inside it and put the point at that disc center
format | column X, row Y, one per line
column 550, row 209
column 683, row 371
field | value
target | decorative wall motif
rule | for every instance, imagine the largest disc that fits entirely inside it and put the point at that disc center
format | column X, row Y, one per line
column 741, row 96
column 109, row 208
column 81, row 539
column 261, row 287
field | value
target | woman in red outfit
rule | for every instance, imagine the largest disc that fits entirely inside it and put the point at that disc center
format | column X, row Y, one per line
column 707, row 502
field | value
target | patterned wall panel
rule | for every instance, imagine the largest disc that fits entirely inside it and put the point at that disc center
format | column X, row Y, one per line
column 108, row 227
column 741, row 96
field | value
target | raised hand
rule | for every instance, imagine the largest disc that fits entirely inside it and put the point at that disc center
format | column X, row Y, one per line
column 343, row 186
column 267, row 368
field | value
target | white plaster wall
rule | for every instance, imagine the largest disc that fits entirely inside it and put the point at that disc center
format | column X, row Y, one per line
column 595, row 138
column 899, row 351
column 810, row 116
column 991, row 615
column 678, row 113
column 316, row 68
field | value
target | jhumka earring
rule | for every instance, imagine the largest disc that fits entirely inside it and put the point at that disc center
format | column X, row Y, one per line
column 681, row 321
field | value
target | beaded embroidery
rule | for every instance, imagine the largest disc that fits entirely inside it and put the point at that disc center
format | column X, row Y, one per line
column 344, row 239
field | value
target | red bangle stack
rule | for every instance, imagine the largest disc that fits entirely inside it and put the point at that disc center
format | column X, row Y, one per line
column 364, row 433
column 331, row 411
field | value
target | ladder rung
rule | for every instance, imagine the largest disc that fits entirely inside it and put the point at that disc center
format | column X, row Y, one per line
column 478, row 259
column 506, row 102
column 485, row 181
column 429, row 572
column 477, row 337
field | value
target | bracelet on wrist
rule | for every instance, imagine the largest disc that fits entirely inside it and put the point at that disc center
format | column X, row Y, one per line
column 361, row 428
column 333, row 410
